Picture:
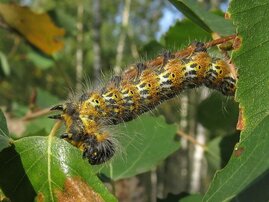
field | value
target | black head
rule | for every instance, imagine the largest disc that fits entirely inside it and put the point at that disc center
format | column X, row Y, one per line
column 98, row 152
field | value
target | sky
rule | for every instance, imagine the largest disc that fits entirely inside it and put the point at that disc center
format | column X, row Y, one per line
column 170, row 16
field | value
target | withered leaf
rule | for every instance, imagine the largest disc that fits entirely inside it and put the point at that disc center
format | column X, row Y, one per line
column 37, row 28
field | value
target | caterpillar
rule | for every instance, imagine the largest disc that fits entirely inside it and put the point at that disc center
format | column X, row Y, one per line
column 137, row 90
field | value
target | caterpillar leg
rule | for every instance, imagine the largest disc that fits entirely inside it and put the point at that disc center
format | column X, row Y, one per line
column 65, row 136
column 58, row 107
column 57, row 116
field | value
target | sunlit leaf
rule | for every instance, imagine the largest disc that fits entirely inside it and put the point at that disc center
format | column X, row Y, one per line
column 49, row 169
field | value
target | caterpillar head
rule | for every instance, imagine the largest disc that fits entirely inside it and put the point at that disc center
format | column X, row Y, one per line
column 98, row 147
column 98, row 152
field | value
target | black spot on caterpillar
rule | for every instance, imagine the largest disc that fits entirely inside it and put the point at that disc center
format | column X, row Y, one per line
column 137, row 90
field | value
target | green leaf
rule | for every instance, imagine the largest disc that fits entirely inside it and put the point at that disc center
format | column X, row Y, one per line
column 66, row 20
column 4, row 64
column 218, row 114
column 45, row 98
column 48, row 168
column 40, row 126
column 244, row 167
column 257, row 191
column 183, row 33
column 151, row 49
column 220, row 149
column 4, row 134
column 208, row 21
column 250, row 160
column 19, row 110
column 41, row 61
column 192, row 198
column 146, row 141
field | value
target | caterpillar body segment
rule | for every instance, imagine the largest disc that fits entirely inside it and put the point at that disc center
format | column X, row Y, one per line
column 140, row 88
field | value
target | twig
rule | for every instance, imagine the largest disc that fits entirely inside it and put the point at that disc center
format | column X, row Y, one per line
column 189, row 50
column 219, row 41
column 34, row 115
column 190, row 139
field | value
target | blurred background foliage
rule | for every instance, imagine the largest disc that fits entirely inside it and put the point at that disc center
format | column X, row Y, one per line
column 100, row 38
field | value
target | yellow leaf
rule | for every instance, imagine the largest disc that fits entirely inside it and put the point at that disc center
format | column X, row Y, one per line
column 38, row 29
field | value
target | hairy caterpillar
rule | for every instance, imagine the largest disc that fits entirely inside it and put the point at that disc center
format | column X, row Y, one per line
column 140, row 88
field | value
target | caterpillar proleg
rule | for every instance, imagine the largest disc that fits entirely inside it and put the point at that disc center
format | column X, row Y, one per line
column 138, row 89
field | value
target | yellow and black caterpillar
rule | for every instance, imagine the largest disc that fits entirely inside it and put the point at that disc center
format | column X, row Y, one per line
column 139, row 89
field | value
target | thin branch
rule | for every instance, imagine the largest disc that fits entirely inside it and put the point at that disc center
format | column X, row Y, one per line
column 219, row 41
column 189, row 50
column 190, row 139
column 37, row 114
